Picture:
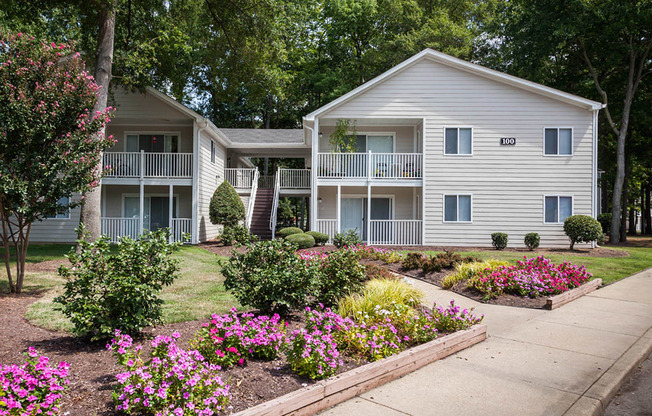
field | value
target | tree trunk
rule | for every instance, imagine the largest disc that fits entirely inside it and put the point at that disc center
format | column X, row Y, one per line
column 604, row 193
column 632, row 221
column 648, row 207
column 91, row 209
column 642, row 206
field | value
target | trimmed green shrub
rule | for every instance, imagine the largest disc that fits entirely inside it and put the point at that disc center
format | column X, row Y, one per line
column 499, row 240
column 341, row 274
column 236, row 234
column 302, row 240
column 226, row 207
column 380, row 294
column 532, row 240
column 348, row 238
column 106, row 291
column 605, row 221
column 284, row 232
column 320, row 238
column 582, row 229
column 270, row 276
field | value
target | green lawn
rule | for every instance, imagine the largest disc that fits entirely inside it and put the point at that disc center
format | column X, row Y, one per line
column 196, row 294
column 609, row 269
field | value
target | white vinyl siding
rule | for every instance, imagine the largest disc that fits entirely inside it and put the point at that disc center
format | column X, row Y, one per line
column 506, row 181
column 557, row 208
column 211, row 175
column 558, row 142
column 458, row 141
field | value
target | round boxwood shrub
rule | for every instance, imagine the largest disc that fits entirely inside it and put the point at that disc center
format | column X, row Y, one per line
column 320, row 238
column 284, row 232
column 226, row 207
column 532, row 240
column 302, row 240
column 499, row 240
column 605, row 221
column 582, row 229
column 270, row 276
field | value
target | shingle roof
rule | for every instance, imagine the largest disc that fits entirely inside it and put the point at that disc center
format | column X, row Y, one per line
column 263, row 136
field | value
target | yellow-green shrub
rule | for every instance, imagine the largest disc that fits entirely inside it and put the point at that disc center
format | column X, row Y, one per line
column 466, row 271
column 381, row 294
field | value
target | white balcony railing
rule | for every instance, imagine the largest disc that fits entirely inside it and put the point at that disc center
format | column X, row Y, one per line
column 370, row 165
column 116, row 228
column 294, row 178
column 147, row 165
column 328, row 227
column 240, row 177
column 395, row 232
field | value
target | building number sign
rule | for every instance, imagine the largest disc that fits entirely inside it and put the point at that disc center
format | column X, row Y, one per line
column 508, row 141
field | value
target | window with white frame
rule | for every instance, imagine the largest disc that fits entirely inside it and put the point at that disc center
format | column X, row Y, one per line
column 458, row 141
column 558, row 142
column 457, row 208
column 152, row 143
column 212, row 152
column 63, row 202
column 557, row 208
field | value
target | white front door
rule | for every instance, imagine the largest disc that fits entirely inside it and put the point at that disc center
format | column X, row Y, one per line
column 351, row 215
column 132, row 209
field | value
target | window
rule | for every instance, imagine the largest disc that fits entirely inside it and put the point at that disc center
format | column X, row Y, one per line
column 458, row 141
column 63, row 202
column 557, row 209
column 159, row 143
column 457, row 208
column 558, row 142
column 212, row 152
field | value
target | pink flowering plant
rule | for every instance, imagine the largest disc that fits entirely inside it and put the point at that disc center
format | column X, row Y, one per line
column 452, row 318
column 232, row 339
column 532, row 277
column 376, row 253
column 172, row 381
column 34, row 387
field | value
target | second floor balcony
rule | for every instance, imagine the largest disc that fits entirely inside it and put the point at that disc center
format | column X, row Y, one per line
column 147, row 165
column 370, row 165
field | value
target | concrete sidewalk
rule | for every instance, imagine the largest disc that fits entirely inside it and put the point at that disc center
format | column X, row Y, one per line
column 569, row 361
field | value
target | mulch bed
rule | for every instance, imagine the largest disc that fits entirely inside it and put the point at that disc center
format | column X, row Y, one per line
column 93, row 368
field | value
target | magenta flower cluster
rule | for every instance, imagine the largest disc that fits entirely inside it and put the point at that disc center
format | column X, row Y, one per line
column 172, row 381
column 231, row 338
column 376, row 253
column 34, row 387
column 453, row 318
column 532, row 278
column 313, row 352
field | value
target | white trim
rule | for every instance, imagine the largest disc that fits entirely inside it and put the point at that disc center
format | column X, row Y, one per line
column 424, row 182
column 543, row 200
column 469, row 67
column 443, row 211
column 458, row 154
column 543, row 150
column 196, row 150
column 594, row 171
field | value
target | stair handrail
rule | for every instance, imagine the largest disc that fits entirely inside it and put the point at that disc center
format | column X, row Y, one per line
column 252, row 199
column 272, row 217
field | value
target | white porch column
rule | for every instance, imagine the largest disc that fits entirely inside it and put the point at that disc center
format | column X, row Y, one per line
column 141, row 216
column 368, row 214
column 313, row 174
column 194, row 228
column 338, row 215
column 170, row 223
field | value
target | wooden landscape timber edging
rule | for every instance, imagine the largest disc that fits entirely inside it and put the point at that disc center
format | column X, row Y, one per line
column 326, row 393
column 554, row 302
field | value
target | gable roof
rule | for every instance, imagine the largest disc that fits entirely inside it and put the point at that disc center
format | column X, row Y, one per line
column 460, row 64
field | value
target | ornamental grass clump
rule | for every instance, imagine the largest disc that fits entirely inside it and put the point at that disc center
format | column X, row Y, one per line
column 172, row 381
column 232, row 339
column 466, row 271
column 380, row 293
column 530, row 277
column 34, row 387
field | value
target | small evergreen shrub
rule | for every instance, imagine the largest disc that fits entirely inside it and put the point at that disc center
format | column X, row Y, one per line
column 226, row 207
column 582, row 229
column 340, row 274
column 320, row 238
column 236, row 234
column 532, row 240
column 106, row 291
column 284, row 232
column 348, row 238
column 270, row 276
column 499, row 240
column 605, row 221
column 302, row 240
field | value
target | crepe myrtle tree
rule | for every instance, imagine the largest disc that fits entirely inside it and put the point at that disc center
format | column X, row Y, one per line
column 50, row 139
